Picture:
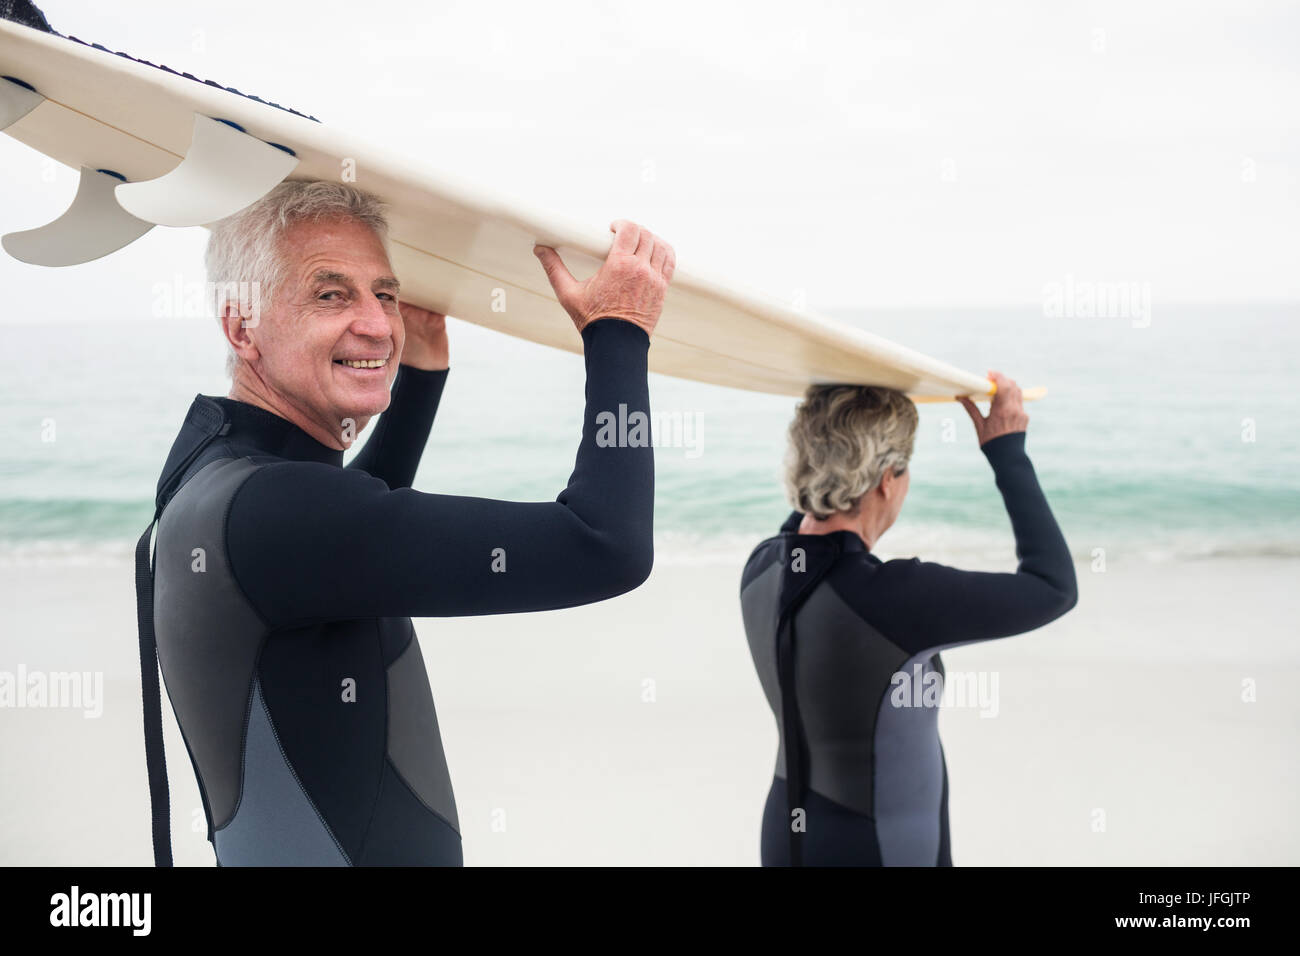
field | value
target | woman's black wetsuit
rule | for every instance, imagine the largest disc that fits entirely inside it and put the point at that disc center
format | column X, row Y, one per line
column 827, row 617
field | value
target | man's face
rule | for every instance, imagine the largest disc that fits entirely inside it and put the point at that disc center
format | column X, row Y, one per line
column 336, row 308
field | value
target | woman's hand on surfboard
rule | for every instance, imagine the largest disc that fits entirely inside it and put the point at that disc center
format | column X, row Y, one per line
column 630, row 284
column 1006, row 413
column 426, row 338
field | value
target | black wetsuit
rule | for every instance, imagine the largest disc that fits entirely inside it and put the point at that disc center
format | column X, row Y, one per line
column 283, row 590
column 826, row 617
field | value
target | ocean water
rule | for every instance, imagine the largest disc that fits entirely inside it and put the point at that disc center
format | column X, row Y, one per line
column 1171, row 439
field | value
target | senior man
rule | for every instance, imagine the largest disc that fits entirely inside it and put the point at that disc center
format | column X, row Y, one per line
column 284, row 582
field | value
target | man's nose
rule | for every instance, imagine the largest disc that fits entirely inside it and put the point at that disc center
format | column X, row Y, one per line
column 369, row 319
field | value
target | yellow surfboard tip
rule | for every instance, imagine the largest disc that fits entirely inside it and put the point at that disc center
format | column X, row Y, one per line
column 1032, row 394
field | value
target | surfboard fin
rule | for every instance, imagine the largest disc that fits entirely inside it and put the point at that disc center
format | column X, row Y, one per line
column 224, row 171
column 16, row 101
column 92, row 227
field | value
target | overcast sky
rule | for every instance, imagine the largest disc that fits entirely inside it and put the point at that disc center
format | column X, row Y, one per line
column 903, row 154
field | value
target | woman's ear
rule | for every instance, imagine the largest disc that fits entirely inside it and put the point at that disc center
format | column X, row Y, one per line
column 893, row 484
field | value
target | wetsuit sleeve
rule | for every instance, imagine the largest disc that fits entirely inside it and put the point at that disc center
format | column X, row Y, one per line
column 312, row 542
column 920, row 605
column 392, row 453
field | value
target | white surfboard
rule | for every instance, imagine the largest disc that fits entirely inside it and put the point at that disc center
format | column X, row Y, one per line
column 158, row 147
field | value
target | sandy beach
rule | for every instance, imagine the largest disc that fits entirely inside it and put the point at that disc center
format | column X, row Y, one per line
column 635, row 731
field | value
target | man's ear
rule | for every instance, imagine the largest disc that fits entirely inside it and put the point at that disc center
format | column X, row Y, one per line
column 239, row 331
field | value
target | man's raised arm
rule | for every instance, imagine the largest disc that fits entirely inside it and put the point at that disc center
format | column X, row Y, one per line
column 313, row 542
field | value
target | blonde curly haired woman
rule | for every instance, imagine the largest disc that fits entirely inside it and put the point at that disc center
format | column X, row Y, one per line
column 847, row 645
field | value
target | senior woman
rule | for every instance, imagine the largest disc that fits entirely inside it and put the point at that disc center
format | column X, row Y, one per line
column 846, row 645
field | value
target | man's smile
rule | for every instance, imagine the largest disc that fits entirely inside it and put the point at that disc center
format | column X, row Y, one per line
column 363, row 364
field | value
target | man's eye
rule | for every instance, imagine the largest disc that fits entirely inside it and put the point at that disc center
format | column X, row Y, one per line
column 388, row 295
column 329, row 293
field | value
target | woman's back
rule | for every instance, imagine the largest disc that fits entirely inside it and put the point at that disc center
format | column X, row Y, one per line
column 858, row 639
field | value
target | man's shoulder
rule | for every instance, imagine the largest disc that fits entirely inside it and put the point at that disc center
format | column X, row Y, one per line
column 221, row 475
column 207, row 488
